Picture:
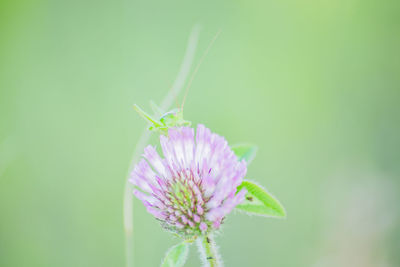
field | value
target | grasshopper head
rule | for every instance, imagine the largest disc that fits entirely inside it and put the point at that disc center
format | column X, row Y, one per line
column 174, row 118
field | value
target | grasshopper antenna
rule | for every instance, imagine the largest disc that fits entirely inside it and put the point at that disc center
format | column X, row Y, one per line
column 198, row 66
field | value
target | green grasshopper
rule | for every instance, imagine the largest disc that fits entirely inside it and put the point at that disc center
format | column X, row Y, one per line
column 172, row 118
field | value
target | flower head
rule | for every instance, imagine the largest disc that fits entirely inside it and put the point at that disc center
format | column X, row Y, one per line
column 194, row 186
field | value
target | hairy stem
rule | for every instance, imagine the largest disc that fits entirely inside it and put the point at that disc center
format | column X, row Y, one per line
column 166, row 103
column 209, row 251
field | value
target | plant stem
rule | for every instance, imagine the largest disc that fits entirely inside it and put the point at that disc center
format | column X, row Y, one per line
column 166, row 103
column 209, row 251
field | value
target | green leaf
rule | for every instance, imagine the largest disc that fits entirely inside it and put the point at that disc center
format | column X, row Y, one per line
column 245, row 151
column 176, row 256
column 259, row 202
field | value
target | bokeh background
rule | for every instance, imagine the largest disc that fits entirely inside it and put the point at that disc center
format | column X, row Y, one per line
column 314, row 83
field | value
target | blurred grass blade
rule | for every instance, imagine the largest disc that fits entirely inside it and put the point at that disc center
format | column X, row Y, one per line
column 259, row 202
column 176, row 256
column 245, row 151
column 144, row 137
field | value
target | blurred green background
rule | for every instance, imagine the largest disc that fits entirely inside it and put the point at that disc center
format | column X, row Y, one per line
column 314, row 83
